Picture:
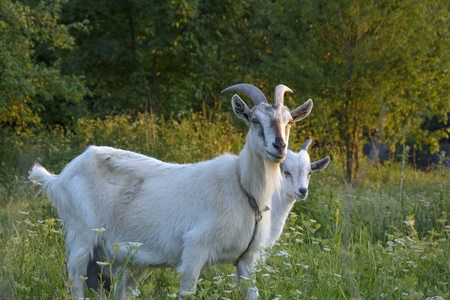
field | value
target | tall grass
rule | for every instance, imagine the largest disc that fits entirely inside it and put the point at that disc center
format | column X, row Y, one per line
column 343, row 242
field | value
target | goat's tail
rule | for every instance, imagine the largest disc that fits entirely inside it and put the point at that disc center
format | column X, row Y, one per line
column 39, row 175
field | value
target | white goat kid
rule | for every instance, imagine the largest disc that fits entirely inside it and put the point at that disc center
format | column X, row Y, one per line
column 186, row 216
column 296, row 172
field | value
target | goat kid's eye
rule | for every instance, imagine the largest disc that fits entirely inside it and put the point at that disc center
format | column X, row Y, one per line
column 255, row 122
column 287, row 173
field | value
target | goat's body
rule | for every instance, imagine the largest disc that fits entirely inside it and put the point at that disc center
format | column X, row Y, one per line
column 141, row 199
column 281, row 206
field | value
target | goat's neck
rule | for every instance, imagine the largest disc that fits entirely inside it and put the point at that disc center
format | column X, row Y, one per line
column 259, row 178
column 279, row 211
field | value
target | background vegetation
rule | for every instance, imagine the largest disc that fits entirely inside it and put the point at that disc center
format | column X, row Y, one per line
column 147, row 75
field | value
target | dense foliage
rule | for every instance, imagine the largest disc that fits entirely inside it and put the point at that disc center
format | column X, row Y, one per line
column 377, row 70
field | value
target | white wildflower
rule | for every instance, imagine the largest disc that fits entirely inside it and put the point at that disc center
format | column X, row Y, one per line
column 135, row 244
column 409, row 222
column 29, row 223
column 312, row 221
column 172, row 295
column 136, row 292
column 186, row 293
column 102, row 263
column 228, row 291
column 283, row 253
column 23, row 212
column 302, row 265
column 270, row 269
column 400, row 241
column 99, row 230
column 266, row 275
column 337, row 275
column 326, row 249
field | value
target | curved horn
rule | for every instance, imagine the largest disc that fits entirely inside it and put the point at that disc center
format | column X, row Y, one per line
column 250, row 90
column 306, row 145
column 279, row 93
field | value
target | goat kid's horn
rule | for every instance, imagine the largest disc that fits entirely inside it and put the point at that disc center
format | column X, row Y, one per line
column 250, row 90
column 306, row 145
column 279, row 93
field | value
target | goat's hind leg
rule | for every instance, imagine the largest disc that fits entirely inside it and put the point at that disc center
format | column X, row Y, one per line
column 77, row 263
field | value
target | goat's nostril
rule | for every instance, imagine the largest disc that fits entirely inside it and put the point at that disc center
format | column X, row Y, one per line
column 279, row 144
column 303, row 191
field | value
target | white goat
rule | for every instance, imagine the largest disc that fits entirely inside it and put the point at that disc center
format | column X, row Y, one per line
column 296, row 172
column 186, row 216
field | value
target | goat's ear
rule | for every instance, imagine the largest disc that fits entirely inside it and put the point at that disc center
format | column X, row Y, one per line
column 302, row 111
column 241, row 109
column 320, row 164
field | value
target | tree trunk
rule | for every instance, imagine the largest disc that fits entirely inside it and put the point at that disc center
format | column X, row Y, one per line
column 349, row 150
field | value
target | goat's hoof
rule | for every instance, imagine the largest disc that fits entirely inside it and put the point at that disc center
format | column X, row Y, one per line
column 252, row 293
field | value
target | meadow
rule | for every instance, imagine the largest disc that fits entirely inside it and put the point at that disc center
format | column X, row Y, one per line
column 386, row 236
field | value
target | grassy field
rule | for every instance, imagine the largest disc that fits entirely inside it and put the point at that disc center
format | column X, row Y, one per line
column 386, row 238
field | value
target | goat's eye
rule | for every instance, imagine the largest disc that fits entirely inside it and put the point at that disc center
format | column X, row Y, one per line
column 310, row 172
column 290, row 123
column 254, row 121
column 287, row 173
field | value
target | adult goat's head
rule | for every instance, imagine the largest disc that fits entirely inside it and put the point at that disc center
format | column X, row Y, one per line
column 269, row 123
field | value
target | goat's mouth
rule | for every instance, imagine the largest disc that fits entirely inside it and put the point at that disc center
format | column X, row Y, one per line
column 276, row 158
column 301, row 197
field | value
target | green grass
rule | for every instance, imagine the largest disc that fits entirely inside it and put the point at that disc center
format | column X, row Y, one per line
column 341, row 243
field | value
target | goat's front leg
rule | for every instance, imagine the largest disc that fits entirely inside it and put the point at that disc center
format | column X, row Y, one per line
column 245, row 269
column 193, row 260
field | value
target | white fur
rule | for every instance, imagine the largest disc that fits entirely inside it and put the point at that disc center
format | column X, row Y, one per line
column 296, row 171
column 186, row 216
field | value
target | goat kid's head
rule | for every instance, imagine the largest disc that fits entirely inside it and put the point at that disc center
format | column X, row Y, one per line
column 296, row 171
column 269, row 123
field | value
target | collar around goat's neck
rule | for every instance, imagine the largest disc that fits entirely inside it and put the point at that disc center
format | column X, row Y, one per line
column 258, row 216
column 252, row 202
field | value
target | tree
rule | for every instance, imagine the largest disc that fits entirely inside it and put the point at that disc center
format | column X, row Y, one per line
column 376, row 67
column 26, row 82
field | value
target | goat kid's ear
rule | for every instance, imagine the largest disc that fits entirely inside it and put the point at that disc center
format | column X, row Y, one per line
column 320, row 164
column 241, row 109
column 302, row 111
